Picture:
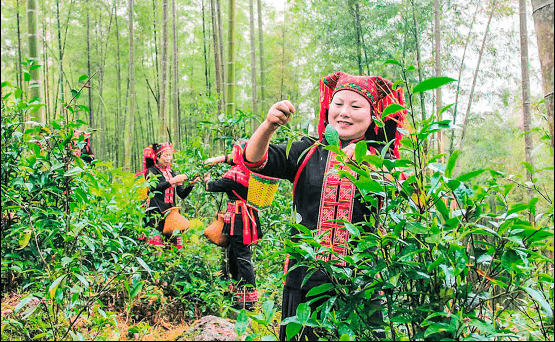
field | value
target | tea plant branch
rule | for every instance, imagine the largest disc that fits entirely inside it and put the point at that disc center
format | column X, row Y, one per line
column 24, row 206
column 79, row 92
column 100, row 293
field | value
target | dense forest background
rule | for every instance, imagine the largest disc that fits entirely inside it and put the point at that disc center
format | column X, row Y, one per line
column 204, row 73
column 164, row 75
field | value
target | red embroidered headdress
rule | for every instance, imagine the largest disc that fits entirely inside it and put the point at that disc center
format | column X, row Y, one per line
column 166, row 146
column 151, row 152
column 86, row 137
column 378, row 91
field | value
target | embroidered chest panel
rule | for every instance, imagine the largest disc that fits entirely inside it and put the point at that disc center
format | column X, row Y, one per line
column 336, row 204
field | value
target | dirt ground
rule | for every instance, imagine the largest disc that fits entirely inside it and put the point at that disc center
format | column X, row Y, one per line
column 162, row 331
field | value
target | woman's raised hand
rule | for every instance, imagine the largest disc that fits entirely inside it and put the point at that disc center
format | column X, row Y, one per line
column 280, row 113
column 214, row 160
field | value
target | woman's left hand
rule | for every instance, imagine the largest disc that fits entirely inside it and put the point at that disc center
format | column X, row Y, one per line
column 349, row 150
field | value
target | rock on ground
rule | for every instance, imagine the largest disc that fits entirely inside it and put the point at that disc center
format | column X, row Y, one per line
column 210, row 328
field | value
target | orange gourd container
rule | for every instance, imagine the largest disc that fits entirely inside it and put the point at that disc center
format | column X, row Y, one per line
column 174, row 221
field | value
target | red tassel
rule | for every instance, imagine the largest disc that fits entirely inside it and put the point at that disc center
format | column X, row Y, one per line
column 325, row 99
column 254, row 230
column 246, row 225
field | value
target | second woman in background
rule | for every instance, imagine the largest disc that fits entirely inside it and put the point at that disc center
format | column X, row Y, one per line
column 241, row 224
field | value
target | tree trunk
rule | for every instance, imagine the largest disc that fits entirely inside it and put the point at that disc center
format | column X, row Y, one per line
column 261, row 54
column 19, row 76
column 156, row 62
column 253, row 64
column 222, row 56
column 34, row 83
column 130, row 120
column 102, row 134
column 418, row 59
column 437, row 50
column 354, row 8
column 464, row 125
column 206, row 76
column 217, row 63
column 361, row 34
column 162, row 135
column 461, row 68
column 117, row 143
column 61, row 56
column 89, row 71
column 281, row 88
column 230, row 97
column 46, row 79
column 542, row 12
column 525, row 85
column 175, row 102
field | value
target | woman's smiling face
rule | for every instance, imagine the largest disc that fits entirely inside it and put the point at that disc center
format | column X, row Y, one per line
column 350, row 114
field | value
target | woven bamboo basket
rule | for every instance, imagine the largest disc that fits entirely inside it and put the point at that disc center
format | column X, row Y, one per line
column 174, row 221
column 214, row 231
column 261, row 191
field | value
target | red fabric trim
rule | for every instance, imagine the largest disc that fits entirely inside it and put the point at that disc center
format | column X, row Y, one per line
column 165, row 147
column 286, row 266
column 254, row 229
column 169, row 193
column 336, row 202
column 325, row 98
column 247, row 239
column 259, row 164
column 249, row 229
column 238, row 173
column 245, row 294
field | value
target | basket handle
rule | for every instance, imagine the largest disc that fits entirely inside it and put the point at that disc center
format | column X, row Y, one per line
column 221, row 200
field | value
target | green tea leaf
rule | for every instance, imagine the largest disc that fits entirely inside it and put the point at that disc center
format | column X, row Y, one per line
column 24, row 238
column 303, row 312
column 54, row 286
column 292, row 329
column 145, row 266
column 392, row 61
column 332, row 136
column 432, row 83
column 536, row 295
column 241, row 323
column 392, row 109
column 319, row 289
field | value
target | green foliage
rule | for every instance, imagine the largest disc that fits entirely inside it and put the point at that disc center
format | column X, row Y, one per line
column 70, row 240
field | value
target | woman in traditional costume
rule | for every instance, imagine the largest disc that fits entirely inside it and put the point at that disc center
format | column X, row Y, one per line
column 320, row 197
column 156, row 163
column 241, row 225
